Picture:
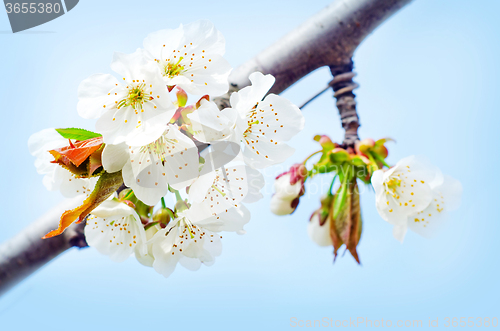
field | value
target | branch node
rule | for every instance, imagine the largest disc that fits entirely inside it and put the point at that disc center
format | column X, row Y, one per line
column 343, row 87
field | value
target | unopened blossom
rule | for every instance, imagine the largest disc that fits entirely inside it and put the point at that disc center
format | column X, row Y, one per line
column 405, row 189
column 191, row 57
column 261, row 123
column 172, row 159
column 193, row 238
column 289, row 187
column 115, row 229
column 446, row 197
column 55, row 177
column 319, row 227
column 318, row 231
column 133, row 109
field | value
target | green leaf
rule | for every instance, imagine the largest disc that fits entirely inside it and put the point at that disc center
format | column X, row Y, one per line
column 77, row 134
column 340, row 199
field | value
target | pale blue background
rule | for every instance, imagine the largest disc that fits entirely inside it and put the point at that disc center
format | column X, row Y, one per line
column 429, row 79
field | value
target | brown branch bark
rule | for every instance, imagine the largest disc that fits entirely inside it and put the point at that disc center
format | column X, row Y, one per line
column 27, row 251
column 329, row 38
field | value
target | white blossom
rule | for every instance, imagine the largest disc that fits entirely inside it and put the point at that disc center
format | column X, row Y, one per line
column 404, row 189
column 414, row 194
column 193, row 238
column 191, row 57
column 261, row 124
column 446, row 196
column 148, row 170
column 115, row 229
column 134, row 109
column 227, row 187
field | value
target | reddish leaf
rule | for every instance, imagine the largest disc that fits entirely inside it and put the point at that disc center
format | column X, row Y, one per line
column 106, row 185
column 346, row 228
column 76, row 153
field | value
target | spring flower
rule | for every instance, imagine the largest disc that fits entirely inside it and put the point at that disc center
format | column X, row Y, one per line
column 134, row 110
column 55, row 177
column 414, row 194
column 172, row 159
column 191, row 57
column 446, row 196
column 225, row 188
column 404, row 189
column 261, row 124
column 115, row 229
column 289, row 187
column 193, row 238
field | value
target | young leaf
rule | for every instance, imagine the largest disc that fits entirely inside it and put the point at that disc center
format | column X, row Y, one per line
column 340, row 199
column 77, row 134
column 106, row 185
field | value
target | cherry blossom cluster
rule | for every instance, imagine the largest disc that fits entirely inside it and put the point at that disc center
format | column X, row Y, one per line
column 413, row 194
column 149, row 143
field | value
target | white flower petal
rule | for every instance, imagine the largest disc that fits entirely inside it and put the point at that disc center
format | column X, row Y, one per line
column 281, row 207
column 209, row 123
column 286, row 191
column 320, row 234
column 95, row 92
column 262, row 154
column 191, row 57
column 114, row 157
column 446, row 197
column 246, row 98
column 116, row 232
column 278, row 119
column 231, row 220
column 399, row 232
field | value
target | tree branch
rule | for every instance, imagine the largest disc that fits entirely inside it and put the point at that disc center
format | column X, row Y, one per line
column 27, row 251
column 329, row 38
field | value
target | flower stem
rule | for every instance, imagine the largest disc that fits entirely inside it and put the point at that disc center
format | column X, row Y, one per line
column 331, row 185
column 381, row 159
column 164, row 206
column 171, row 213
column 307, row 158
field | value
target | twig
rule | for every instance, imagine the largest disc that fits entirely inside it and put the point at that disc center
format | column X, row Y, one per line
column 328, row 38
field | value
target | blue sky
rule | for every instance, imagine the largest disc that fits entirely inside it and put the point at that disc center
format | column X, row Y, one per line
column 429, row 79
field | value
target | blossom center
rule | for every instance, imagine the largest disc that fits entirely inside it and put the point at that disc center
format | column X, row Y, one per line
column 137, row 95
column 171, row 69
column 161, row 147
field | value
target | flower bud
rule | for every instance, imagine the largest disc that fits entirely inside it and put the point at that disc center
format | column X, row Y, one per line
column 289, row 187
column 162, row 216
column 363, row 146
column 319, row 223
column 325, row 142
column 282, row 207
column 339, row 155
column 318, row 232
